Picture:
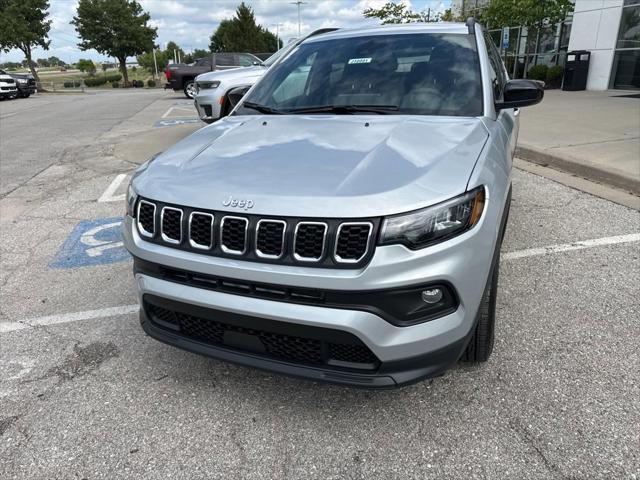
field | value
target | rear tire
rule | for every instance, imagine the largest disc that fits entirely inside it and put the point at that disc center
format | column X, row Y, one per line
column 190, row 89
column 481, row 343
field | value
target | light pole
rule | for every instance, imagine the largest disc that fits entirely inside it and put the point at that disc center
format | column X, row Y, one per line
column 298, row 3
column 277, row 25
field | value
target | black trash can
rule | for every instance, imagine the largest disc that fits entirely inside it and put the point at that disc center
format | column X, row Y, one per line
column 576, row 70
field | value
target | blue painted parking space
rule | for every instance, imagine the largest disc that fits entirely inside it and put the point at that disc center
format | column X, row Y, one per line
column 92, row 242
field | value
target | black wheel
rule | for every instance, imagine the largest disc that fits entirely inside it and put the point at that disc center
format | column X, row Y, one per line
column 481, row 343
column 190, row 89
column 25, row 95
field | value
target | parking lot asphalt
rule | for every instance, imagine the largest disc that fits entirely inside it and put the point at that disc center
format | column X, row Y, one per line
column 85, row 394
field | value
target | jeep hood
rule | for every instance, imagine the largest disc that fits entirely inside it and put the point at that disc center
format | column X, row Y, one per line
column 319, row 165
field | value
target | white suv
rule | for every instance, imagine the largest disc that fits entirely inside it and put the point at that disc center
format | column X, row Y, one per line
column 8, row 87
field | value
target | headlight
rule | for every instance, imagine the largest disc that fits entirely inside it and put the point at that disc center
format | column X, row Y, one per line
column 21, row 80
column 207, row 85
column 132, row 196
column 434, row 224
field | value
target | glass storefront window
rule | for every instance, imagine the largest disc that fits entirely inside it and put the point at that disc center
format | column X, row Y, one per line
column 626, row 68
column 629, row 34
column 548, row 41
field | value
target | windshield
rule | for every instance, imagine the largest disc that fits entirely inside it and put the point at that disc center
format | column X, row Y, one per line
column 283, row 51
column 415, row 74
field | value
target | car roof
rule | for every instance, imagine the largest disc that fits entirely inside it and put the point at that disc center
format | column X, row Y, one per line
column 391, row 29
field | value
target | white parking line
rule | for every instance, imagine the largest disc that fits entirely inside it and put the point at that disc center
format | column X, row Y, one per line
column 7, row 327
column 108, row 195
column 67, row 317
column 567, row 247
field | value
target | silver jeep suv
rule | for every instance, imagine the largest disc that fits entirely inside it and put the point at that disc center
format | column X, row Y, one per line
column 344, row 222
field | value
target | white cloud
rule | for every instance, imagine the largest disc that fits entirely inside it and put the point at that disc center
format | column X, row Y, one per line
column 190, row 23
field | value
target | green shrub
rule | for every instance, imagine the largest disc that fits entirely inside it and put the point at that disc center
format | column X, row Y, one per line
column 95, row 82
column 538, row 72
column 114, row 77
column 554, row 76
column 137, row 83
column 151, row 83
column 72, row 84
column 115, row 84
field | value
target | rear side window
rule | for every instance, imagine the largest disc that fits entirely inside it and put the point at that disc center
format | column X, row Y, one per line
column 420, row 74
column 225, row 60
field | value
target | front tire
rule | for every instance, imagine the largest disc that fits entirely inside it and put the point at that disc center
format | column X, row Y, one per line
column 190, row 89
column 481, row 343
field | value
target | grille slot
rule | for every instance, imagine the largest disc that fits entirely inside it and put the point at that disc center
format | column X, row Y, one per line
column 293, row 348
column 146, row 218
column 233, row 235
column 351, row 353
column 309, row 241
column 171, row 225
column 352, row 242
column 201, row 230
column 270, row 238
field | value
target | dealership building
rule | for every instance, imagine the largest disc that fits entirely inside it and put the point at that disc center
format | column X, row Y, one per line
column 609, row 29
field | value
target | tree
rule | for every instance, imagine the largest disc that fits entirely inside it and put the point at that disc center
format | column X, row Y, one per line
column 173, row 51
column 532, row 14
column 243, row 34
column 54, row 61
column 87, row 66
column 200, row 53
column 24, row 25
column 392, row 12
column 117, row 28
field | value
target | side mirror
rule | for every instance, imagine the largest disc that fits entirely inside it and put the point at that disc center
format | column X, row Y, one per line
column 236, row 94
column 521, row 93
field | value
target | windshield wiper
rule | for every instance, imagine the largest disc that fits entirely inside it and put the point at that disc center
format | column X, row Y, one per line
column 349, row 109
column 262, row 108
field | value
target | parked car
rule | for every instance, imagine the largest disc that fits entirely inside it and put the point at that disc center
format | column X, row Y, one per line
column 25, row 83
column 181, row 76
column 8, row 87
column 212, row 89
column 344, row 228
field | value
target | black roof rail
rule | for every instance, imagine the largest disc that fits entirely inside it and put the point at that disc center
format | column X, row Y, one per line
column 471, row 25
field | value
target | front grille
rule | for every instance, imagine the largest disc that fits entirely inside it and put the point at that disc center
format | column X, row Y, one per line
column 233, row 237
column 270, row 238
column 353, row 241
column 338, row 243
column 347, row 351
column 310, row 240
column 146, row 218
column 9, row 80
column 171, row 225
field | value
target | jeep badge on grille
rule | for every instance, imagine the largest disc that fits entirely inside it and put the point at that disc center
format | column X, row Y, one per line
column 238, row 202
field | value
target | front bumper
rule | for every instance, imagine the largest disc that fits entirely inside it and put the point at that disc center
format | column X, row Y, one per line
column 405, row 354
column 7, row 92
column 387, row 374
column 26, row 88
column 208, row 106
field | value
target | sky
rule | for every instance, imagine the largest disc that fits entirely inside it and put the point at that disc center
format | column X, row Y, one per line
column 190, row 23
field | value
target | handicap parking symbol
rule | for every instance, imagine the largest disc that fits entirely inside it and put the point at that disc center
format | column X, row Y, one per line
column 169, row 122
column 92, row 242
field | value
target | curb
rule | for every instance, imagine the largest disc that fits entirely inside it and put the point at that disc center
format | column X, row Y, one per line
column 587, row 171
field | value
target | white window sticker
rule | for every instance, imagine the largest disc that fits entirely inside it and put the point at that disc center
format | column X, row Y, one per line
column 359, row 60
